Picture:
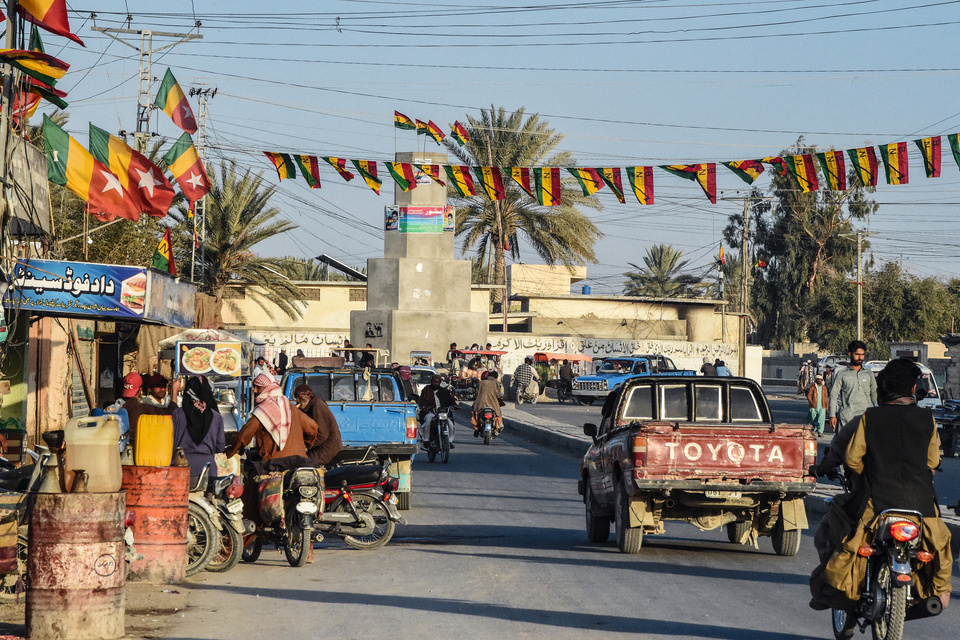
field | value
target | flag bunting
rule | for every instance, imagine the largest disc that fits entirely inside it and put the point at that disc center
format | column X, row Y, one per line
column 283, row 163
column 834, row 169
column 611, row 177
column 930, row 152
column 641, row 179
column 368, row 171
column 491, row 181
column 402, row 173
column 895, row 164
column 704, row 174
column 589, row 180
column 804, row 171
column 432, row 170
column 163, row 256
column 309, row 169
column 340, row 164
column 459, row 133
column 459, row 176
column 746, row 170
column 865, row 165
column 401, row 121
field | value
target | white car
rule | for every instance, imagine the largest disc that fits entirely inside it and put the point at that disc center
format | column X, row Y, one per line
column 926, row 382
column 836, row 362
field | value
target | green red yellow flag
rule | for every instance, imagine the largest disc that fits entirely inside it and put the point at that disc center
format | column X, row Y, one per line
column 954, row 140
column 491, row 180
column 401, row 121
column 173, row 102
column 422, row 128
column 804, row 171
column 283, row 163
column 163, row 256
column 432, row 170
column 895, row 163
column 45, row 91
column 776, row 163
column 589, row 180
column 459, row 133
column 340, row 164
column 309, row 169
column 459, row 176
column 834, row 169
column 721, row 257
column 930, row 152
column 641, row 179
column 434, row 132
column 36, row 64
column 543, row 184
column 760, row 264
column 368, row 171
column 25, row 104
column 611, row 177
column 36, row 44
column 144, row 181
column 187, row 168
column 72, row 166
column 746, row 170
column 50, row 15
column 704, row 174
column 864, row 163
column 403, row 175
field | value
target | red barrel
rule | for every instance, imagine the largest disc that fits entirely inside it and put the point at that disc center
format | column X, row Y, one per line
column 158, row 496
column 76, row 566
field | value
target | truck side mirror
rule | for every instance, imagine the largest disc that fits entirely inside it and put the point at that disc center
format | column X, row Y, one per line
column 590, row 429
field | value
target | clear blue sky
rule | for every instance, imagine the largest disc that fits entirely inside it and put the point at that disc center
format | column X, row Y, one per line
column 627, row 82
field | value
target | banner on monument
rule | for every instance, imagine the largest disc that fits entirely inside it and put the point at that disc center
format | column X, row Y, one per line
column 418, row 219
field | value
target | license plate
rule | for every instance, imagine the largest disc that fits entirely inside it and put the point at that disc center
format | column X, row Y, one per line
column 723, row 494
column 235, row 506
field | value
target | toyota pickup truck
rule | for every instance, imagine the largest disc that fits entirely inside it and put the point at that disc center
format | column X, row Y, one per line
column 372, row 412
column 700, row 450
column 615, row 371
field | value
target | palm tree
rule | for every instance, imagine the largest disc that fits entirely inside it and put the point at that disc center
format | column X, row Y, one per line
column 239, row 217
column 560, row 234
column 661, row 277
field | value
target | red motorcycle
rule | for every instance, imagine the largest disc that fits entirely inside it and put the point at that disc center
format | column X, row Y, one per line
column 360, row 505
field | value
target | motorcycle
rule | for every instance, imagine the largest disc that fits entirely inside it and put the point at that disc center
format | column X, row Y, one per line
column 443, row 424
column 360, row 505
column 523, row 395
column 564, row 392
column 221, row 502
column 488, row 427
column 292, row 531
column 203, row 527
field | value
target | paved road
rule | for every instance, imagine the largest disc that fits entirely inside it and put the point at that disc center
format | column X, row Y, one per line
column 495, row 548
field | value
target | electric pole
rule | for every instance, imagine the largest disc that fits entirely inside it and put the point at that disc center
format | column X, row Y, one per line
column 7, row 139
column 200, row 208
column 859, row 285
column 744, row 289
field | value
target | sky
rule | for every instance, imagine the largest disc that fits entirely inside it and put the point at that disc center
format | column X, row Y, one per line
column 627, row 82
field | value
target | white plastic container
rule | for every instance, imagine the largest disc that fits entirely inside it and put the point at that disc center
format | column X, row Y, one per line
column 92, row 445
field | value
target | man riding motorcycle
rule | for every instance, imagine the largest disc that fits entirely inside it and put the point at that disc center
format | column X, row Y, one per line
column 523, row 375
column 566, row 377
column 435, row 396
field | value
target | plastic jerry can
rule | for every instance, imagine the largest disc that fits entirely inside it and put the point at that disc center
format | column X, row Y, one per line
column 153, row 442
column 93, row 445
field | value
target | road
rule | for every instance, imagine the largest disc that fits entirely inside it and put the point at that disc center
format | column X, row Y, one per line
column 495, row 548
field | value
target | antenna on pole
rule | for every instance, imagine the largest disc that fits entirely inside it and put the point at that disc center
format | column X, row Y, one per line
column 200, row 210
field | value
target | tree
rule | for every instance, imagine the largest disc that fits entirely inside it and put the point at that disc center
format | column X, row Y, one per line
column 559, row 235
column 662, row 276
column 239, row 217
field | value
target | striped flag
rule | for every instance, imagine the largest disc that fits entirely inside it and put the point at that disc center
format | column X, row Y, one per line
column 746, row 170
column 432, row 170
column 184, row 163
column 50, row 15
column 930, row 152
column 309, row 169
column 721, row 257
column 401, row 121
column 589, row 180
column 340, row 164
column 163, row 256
column 895, row 164
column 402, row 173
column 459, row 133
column 283, row 163
column 954, row 140
column 834, row 169
column 173, row 102
column 864, row 163
column 611, row 176
column 704, row 174
column 641, row 179
column 368, row 171
column 192, row 217
column 422, row 128
column 804, row 171
column 776, row 163
column 434, row 132
column 36, row 64
column 547, row 186
column 144, row 181
column 459, row 176
column 492, row 182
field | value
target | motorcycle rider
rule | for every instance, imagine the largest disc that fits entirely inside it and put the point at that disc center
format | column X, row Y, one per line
column 435, row 396
column 523, row 375
column 566, row 376
column 894, row 450
column 488, row 395
column 327, row 443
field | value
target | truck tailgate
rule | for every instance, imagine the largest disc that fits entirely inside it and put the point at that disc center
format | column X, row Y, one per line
column 363, row 423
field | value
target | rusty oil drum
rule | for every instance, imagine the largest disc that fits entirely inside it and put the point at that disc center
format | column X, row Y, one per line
column 158, row 496
column 76, row 566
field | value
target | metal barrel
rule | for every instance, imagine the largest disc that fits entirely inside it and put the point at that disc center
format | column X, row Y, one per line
column 158, row 497
column 76, row 566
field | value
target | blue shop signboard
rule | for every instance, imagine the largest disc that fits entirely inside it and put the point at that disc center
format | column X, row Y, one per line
column 84, row 289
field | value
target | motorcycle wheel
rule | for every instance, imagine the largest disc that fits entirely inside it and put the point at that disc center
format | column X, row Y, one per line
column 383, row 528
column 843, row 624
column 890, row 625
column 251, row 553
column 298, row 539
column 520, row 398
column 202, row 539
column 8, row 587
column 231, row 548
column 444, row 449
column 533, row 399
column 487, row 436
column 431, row 454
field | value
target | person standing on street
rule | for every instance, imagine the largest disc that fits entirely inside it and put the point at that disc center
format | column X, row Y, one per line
column 854, row 390
column 708, row 368
column 722, row 369
column 282, row 362
column 818, row 398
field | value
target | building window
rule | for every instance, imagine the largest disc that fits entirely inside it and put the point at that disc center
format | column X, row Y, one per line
column 233, row 293
column 310, row 294
column 358, row 295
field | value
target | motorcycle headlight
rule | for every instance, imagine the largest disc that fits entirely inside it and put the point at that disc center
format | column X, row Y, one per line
column 308, row 491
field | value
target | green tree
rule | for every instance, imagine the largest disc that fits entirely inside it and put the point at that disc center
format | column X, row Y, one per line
column 239, row 217
column 559, row 235
column 662, row 277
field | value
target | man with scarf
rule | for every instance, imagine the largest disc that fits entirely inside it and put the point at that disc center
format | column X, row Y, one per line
column 198, row 427
column 280, row 431
column 327, row 443
column 434, row 396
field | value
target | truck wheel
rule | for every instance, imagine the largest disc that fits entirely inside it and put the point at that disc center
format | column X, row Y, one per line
column 629, row 539
column 785, row 543
column 403, row 500
column 736, row 531
column 598, row 527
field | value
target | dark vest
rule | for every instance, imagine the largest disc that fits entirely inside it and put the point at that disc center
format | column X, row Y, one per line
column 895, row 466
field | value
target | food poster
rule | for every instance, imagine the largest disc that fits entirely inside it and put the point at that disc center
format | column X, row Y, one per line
column 209, row 358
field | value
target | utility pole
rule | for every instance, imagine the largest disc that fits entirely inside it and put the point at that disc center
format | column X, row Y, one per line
column 7, row 139
column 744, row 289
column 200, row 210
column 859, row 285
column 505, row 298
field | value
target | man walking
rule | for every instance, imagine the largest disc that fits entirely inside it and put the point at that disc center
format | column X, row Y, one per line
column 854, row 390
column 818, row 398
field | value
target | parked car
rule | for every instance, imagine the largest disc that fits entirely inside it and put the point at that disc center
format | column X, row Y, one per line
column 927, row 383
column 617, row 370
column 835, row 362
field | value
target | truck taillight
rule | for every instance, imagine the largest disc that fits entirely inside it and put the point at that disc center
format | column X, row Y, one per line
column 809, row 453
column 411, row 428
column 640, row 451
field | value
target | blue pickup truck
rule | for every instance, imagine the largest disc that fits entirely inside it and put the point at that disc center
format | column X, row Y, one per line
column 372, row 411
column 615, row 371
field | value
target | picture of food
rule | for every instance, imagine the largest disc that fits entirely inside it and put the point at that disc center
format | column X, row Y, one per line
column 197, row 360
column 133, row 292
column 226, row 361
